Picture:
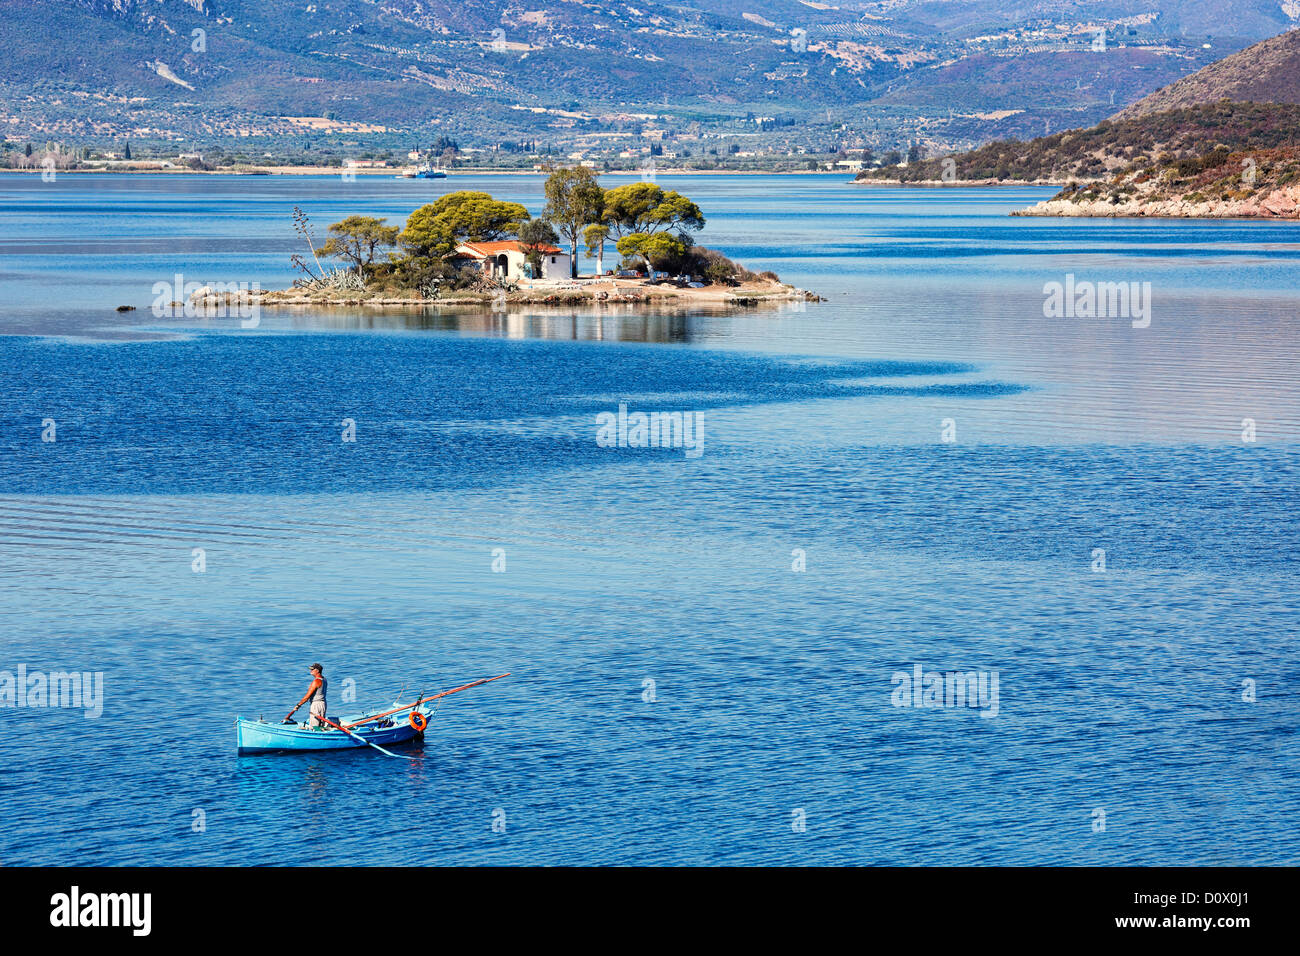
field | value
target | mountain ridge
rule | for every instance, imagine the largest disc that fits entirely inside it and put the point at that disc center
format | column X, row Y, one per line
column 930, row 71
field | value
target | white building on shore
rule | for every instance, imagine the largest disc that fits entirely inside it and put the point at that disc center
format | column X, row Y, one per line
column 507, row 259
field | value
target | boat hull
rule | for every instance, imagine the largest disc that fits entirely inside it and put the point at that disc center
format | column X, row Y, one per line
column 260, row 736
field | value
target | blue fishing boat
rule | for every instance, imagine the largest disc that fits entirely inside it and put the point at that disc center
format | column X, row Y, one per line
column 379, row 729
column 264, row 736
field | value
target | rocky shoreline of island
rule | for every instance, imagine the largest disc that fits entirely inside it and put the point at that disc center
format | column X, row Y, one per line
column 1094, row 199
column 955, row 183
column 211, row 301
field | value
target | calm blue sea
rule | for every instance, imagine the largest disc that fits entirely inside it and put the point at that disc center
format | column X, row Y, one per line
column 921, row 470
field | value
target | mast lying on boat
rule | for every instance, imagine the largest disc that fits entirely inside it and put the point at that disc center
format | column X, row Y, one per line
column 424, row 700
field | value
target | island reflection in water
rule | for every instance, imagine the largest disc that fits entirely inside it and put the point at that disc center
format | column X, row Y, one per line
column 614, row 322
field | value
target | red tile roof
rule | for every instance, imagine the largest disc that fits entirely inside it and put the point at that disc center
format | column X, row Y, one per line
column 481, row 250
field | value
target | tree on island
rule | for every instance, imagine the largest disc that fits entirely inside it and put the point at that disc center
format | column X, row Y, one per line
column 357, row 239
column 626, row 206
column 646, row 208
column 574, row 200
column 534, row 236
column 126, row 152
column 651, row 225
column 657, row 250
column 435, row 229
column 594, row 237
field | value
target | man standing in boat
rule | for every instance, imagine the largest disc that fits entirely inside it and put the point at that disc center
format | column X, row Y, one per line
column 316, row 694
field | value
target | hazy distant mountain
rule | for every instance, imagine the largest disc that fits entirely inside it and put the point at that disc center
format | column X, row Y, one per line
column 402, row 62
column 1267, row 72
column 934, row 70
column 1221, row 19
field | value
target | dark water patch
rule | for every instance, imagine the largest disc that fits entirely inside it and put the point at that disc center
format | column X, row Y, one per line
column 267, row 413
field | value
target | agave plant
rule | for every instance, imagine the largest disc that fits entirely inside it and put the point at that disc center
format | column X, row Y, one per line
column 345, row 280
column 333, row 280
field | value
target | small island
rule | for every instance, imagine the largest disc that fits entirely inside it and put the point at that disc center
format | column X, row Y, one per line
column 469, row 248
column 1220, row 143
column 1219, row 160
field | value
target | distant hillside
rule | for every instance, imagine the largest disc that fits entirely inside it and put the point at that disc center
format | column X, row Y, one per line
column 195, row 68
column 1190, row 150
column 1248, row 100
column 1267, row 72
column 1082, row 86
column 889, row 72
column 1208, row 19
column 1115, row 145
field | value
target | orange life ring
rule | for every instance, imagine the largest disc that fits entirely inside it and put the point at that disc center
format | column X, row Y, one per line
column 418, row 721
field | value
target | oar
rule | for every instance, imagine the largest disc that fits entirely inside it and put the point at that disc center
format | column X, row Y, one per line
column 364, row 741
